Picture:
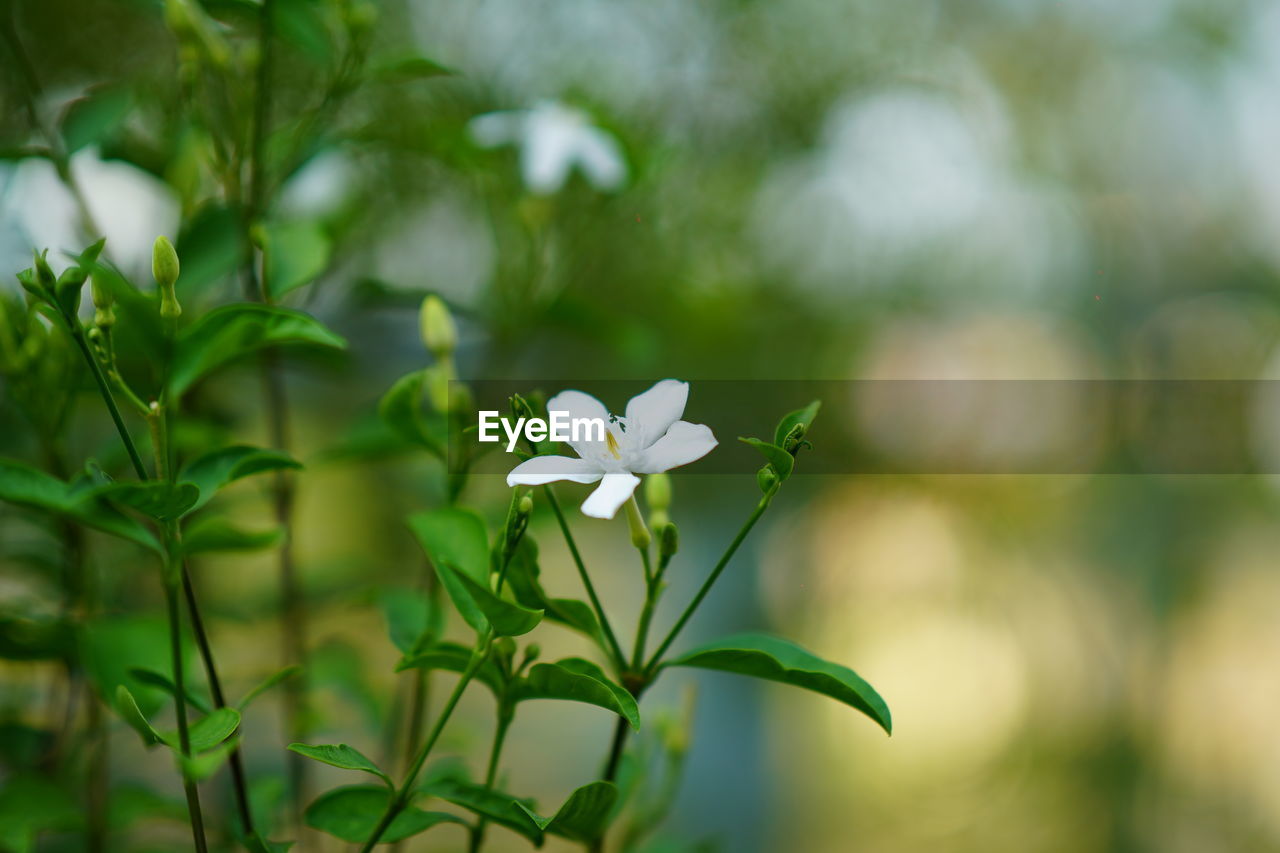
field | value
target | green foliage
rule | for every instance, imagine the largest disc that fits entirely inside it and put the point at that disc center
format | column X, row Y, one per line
column 294, row 254
column 502, row 809
column 220, row 468
column 583, row 817
column 341, row 755
column 267, row 683
column 215, row 534
column 774, row 659
column 352, row 812
column 30, row 804
column 577, row 680
column 233, row 332
column 81, row 502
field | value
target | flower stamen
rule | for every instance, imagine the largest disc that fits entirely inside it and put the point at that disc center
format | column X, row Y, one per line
column 612, row 444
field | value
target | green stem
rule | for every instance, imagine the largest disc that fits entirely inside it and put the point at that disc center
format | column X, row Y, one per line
column 620, row 659
column 77, row 334
column 654, row 661
column 505, row 714
column 180, row 703
column 402, row 794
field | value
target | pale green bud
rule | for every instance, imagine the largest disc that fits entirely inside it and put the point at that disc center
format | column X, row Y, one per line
column 526, row 505
column 668, row 541
column 165, row 268
column 640, row 536
column 657, row 492
column 439, row 334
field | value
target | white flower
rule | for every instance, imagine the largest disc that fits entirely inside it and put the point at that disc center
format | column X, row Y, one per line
column 651, row 438
column 553, row 139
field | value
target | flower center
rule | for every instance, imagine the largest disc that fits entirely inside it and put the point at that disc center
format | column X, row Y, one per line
column 612, row 444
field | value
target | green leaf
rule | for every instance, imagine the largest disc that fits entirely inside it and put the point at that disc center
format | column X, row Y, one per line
column 454, row 658
column 340, row 755
column 780, row 460
column 219, row 468
column 235, row 331
column 774, row 659
column 401, row 410
column 127, row 708
column 295, row 253
column 353, row 812
column 584, row 816
column 159, row 680
column 803, row 417
column 577, row 680
column 30, row 804
column 23, row 485
column 209, row 731
column 522, row 578
column 155, row 499
column 454, row 536
column 218, row 534
column 410, row 68
column 204, row 764
column 498, row 807
column 301, row 25
column 408, row 614
column 482, row 608
column 110, row 646
column 211, row 246
column 267, row 683
column 95, row 117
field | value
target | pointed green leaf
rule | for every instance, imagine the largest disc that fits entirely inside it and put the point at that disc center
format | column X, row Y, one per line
column 409, row 68
column 780, row 460
column 127, row 708
column 157, row 679
column 219, row 468
column 774, row 659
column 295, row 253
column 23, row 485
column 574, row 680
column 340, row 755
column 353, row 812
column 202, row 765
column 454, row 658
column 401, row 410
column 235, row 331
column 498, row 807
column 155, row 499
column 804, row 417
column 455, row 536
column 482, row 608
column 217, row 534
column 267, row 683
column 523, row 580
column 209, row 731
column 584, row 816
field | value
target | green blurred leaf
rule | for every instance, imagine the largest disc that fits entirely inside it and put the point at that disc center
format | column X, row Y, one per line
column 774, row 659
column 209, row 731
column 301, row 24
column 202, row 765
column 409, row 68
column 217, row 534
column 159, row 680
column 353, row 812
column 127, row 708
column 38, row 638
column 94, row 118
column 211, row 246
column 156, row 499
column 523, row 580
column 267, row 683
column 26, row 486
column 455, row 658
column 482, row 608
column 780, row 460
column 31, row 804
column 341, row 755
column 584, row 816
column 455, row 536
column 295, row 253
column 408, row 614
column 577, row 680
column 235, row 331
column 401, row 410
column 111, row 646
column 502, row 809
column 219, row 468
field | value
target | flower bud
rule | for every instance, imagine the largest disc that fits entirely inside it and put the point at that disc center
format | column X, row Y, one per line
column 44, row 273
column 505, row 648
column 439, row 334
column 640, row 536
column 526, row 505
column 767, row 479
column 668, row 541
column 520, row 407
column 165, row 268
column 791, row 441
column 657, row 492
column 532, row 652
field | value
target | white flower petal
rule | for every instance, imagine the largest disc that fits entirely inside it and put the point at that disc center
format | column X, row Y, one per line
column 581, row 405
column 547, row 155
column 682, row 444
column 547, row 469
column 650, row 414
column 598, row 154
column 493, row 129
column 613, row 492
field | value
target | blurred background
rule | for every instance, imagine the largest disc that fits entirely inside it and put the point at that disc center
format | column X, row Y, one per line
column 800, row 189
